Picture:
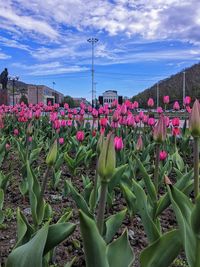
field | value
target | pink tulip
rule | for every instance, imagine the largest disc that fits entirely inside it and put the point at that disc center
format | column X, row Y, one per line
column 116, row 116
column 151, row 121
column 94, row 113
column 7, row 146
column 62, row 113
column 66, row 106
column 139, row 145
column 30, row 139
column 159, row 110
column 61, row 140
column 187, row 100
column 150, row 102
column 137, row 119
column 160, row 130
column 80, row 136
column 130, row 120
column 16, row 132
column 188, row 109
column 166, row 99
column 163, row 155
column 167, row 121
column 141, row 115
column 176, row 105
column 63, row 123
column 123, row 110
column 69, row 123
column 118, row 143
column 176, row 131
column 175, row 122
column 135, row 105
column 103, row 122
column 145, row 119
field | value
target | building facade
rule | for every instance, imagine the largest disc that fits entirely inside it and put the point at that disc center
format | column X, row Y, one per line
column 109, row 96
column 44, row 94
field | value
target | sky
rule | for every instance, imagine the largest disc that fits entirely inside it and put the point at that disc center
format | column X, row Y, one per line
column 139, row 42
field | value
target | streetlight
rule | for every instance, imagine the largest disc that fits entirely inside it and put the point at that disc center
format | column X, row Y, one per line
column 157, row 93
column 183, row 87
column 92, row 41
column 54, row 92
column 13, row 79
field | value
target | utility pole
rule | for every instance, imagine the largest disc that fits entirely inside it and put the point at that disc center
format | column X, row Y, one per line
column 54, row 92
column 13, row 79
column 183, row 87
column 95, row 91
column 92, row 41
column 157, row 94
column 37, row 94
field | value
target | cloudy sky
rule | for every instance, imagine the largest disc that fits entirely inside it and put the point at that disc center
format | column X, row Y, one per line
column 140, row 42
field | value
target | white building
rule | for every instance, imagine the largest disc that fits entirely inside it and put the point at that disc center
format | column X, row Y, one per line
column 109, row 96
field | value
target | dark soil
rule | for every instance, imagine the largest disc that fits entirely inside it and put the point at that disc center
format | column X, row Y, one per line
column 73, row 245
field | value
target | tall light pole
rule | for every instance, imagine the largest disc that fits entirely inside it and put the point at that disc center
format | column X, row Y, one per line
column 183, row 87
column 13, row 79
column 54, row 92
column 92, row 41
column 157, row 94
column 95, row 96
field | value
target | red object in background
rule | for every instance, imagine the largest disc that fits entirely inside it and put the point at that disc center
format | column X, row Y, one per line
column 3, row 97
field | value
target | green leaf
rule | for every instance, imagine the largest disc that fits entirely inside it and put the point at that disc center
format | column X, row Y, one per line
column 29, row 254
column 78, row 198
column 113, row 223
column 24, row 229
column 163, row 251
column 183, row 184
column 150, row 227
column 119, row 252
column 117, row 176
column 148, row 182
column 94, row 245
column 58, row 233
column 182, row 207
column 177, row 159
column 130, row 199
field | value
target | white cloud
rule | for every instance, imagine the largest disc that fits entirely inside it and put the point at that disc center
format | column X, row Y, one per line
column 50, row 68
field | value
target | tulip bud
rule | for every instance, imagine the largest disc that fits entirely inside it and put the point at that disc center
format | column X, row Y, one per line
column 29, row 129
column 139, row 145
column 107, row 159
column 100, row 143
column 160, row 130
column 194, row 121
column 52, row 155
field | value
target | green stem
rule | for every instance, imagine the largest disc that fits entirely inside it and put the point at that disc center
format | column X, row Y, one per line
column 94, row 199
column 157, row 166
column 44, row 183
column 196, row 166
column 102, row 206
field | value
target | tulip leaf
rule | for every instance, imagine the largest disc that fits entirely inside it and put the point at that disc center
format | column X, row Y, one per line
column 150, row 227
column 113, row 223
column 24, row 229
column 184, row 184
column 163, row 251
column 119, row 252
column 78, row 198
column 94, row 245
column 117, row 176
column 182, row 207
column 148, row 182
column 58, row 233
column 29, row 254
column 130, row 199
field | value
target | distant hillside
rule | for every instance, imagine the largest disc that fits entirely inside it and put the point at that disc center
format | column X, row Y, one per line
column 173, row 86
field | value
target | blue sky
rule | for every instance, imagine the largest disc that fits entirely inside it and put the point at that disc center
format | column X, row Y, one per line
column 140, row 42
